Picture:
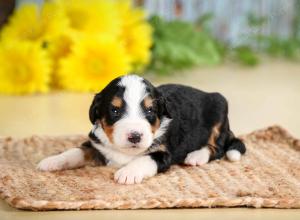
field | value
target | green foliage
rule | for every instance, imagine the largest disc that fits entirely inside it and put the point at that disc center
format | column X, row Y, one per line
column 277, row 47
column 255, row 21
column 296, row 19
column 179, row 45
column 273, row 46
column 203, row 21
column 245, row 55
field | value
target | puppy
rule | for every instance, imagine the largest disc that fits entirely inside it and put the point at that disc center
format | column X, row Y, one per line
column 143, row 130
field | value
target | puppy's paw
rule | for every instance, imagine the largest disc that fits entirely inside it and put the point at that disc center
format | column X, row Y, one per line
column 52, row 163
column 136, row 171
column 128, row 175
column 233, row 155
column 198, row 157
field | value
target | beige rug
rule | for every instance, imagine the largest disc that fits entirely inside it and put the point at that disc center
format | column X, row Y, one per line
column 267, row 176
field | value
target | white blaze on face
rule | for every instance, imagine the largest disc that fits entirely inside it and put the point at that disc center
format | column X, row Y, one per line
column 135, row 92
column 133, row 119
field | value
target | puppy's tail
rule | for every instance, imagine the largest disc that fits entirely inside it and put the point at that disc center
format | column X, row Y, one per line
column 234, row 147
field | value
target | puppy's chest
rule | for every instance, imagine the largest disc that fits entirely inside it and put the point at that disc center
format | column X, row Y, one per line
column 114, row 158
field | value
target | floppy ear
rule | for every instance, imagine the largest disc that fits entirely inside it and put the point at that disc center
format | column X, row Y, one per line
column 94, row 109
column 163, row 108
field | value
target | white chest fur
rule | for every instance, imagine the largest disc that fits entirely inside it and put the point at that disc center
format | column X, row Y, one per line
column 115, row 158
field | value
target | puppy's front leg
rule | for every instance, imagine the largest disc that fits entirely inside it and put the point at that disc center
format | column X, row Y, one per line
column 143, row 167
column 69, row 159
column 72, row 158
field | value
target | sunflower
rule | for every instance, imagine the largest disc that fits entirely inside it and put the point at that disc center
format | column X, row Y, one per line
column 32, row 23
column 136, row 33
column 137, row 43
column 87, row 42
column 59, row 48
column 93, row 63
column 91, row 16
column 18, row 73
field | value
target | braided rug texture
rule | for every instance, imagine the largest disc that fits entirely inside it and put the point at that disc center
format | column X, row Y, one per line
column 267, row 176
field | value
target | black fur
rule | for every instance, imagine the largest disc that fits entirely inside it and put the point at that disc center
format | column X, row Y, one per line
column 93, row 137
column 194, row 114
column 98, row 158
column 162, row 159
column 101, row 104
column 101, row 107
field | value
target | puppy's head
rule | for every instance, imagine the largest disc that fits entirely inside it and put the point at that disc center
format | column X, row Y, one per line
column 128, row 114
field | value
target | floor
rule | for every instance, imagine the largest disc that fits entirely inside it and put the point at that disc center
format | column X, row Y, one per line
column 258, row 97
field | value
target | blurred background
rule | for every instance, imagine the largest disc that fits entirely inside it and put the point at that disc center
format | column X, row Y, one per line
column 55, row 55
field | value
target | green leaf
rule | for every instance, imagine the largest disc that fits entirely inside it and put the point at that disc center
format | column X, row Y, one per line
column 179, row 45
column 246, row 56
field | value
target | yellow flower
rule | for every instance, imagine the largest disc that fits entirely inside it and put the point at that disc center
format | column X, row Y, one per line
column 87, row 43
column 136, row 33
column 93, row 63
column 138, row 43
column 91, row 16
column 35, row 24
column 24, row 68
column 59, row 48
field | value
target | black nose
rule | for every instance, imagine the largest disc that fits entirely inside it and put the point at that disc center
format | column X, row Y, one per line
column 134, row 137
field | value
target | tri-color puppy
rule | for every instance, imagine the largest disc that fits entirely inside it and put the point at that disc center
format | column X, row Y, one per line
column 145, row 129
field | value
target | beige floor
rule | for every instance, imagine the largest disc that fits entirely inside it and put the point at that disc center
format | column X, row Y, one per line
column 258, row 97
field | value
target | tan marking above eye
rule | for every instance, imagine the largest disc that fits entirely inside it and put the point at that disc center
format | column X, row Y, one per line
column 148, row 102
column 117, row 102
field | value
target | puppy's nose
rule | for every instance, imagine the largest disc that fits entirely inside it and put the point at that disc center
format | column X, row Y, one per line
column 134, row 137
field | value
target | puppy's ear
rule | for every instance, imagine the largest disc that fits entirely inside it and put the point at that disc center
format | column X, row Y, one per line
column 162, row 104
column 94, row 109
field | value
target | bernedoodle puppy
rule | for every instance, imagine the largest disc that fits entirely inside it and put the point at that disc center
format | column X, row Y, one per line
column 143, row 130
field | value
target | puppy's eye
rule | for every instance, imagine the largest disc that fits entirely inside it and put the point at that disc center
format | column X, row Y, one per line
column 149, row 110
column 115, row 111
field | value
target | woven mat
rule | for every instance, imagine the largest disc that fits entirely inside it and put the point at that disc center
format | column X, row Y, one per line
column 267, row 176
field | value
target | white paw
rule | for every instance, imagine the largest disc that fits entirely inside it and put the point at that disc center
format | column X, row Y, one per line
column 127, row 175
column 136, row 171
column 233, row 155
column 198, row 157
column 52, row 163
